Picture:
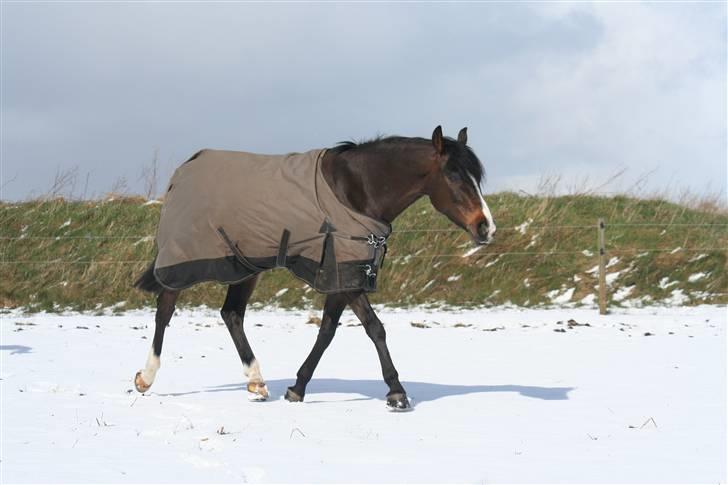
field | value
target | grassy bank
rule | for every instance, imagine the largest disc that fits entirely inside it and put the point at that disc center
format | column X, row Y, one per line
column 86, row 254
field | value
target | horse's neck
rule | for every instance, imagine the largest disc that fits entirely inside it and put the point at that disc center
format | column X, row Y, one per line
column 379, row 182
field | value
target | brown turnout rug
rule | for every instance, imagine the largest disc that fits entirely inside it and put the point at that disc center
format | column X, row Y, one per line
column 229, row 215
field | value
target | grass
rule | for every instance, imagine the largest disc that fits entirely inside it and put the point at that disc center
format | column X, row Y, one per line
column 84, row 255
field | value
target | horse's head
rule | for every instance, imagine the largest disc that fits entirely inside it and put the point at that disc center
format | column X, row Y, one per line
column 453, row 186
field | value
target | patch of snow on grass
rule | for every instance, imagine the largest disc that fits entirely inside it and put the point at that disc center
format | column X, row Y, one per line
column 587, row 253
column 471, row 251
column 152, row 202
column 612, row 262
column 665, row 283
column 593, row 271
column 612, row 277
column 676, row 250
column 65, row 224
column 588, row 299
column 677, row 298
column 427, row 285
column 559, row 298
column 696, row 277
column 534, row 240
column 454, row 277
column 523, row 227
column 697, row 258
column 491, row 263
column 622, row 293
column 281, row 292
column 143, row 240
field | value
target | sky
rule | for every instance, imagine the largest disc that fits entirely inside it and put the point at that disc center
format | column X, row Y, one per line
column 573, row 96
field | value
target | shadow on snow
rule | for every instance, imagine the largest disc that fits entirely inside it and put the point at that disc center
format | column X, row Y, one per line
column 16, row 349
column 376, row 389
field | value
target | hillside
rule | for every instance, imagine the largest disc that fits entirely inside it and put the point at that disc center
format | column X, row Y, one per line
column 84, row 255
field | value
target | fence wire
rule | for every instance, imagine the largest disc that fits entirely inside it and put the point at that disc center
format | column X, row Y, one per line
column 521, row 228
column 586, row 252
column 412, row 256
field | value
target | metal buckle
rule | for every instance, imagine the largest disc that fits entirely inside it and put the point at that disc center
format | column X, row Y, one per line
column 369, row 271
column 376, row 241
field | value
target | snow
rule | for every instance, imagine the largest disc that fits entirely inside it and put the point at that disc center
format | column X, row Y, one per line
column 523, row 227
column 454, row 277
column 505, row 399
column 623, row 293
column 534, row 240
column 665, row 283
column 612, row 277
column 677, row 297
column 471, row 251
column 696, row 277
column 560, row 296
column 65, row 224
column 281, row 292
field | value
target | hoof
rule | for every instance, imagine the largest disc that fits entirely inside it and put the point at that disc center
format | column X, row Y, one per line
column 292, row 396
column 398, row 402
column 257, row 391
column 139, row 383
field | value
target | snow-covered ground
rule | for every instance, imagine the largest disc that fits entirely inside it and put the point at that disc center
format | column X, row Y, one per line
column 500, row 395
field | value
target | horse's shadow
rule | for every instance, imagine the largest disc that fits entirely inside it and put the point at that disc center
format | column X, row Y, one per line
column 376, row 389
column 17, row 349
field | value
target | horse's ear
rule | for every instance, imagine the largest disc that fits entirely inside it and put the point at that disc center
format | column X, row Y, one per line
column 437, row 140
column 463, row 136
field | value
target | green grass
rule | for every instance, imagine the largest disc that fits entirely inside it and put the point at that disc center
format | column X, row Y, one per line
column 84, row 255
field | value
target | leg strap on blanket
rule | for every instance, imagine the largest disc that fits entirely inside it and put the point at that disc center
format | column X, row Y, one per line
column 236, row 251
column 283, row 249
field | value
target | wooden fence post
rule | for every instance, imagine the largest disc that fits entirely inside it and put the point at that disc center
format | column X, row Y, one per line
column 602, row 270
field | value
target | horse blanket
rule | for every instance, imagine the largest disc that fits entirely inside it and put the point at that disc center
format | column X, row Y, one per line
column 230, row 215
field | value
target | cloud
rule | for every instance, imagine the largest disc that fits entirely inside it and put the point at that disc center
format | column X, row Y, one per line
column 575, row 89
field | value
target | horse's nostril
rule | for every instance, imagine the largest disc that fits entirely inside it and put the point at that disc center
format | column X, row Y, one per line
column 483, row 229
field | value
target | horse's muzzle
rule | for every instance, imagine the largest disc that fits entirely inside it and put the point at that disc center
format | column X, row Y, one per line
column 483, row 234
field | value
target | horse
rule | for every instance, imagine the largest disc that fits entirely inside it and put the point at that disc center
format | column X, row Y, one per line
column 378, row 179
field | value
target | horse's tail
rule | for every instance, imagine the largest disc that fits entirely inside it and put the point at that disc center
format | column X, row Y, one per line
column 147, row 281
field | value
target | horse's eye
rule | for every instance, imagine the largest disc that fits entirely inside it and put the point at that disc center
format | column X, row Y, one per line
column 454, row 176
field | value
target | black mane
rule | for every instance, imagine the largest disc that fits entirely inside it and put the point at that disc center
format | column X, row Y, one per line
column 462, row 158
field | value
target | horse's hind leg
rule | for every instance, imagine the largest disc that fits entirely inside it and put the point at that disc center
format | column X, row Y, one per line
column 333, row 308
column 233, row 313
column 165, row 308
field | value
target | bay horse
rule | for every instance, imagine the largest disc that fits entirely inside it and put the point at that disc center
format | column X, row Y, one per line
column 379, row 178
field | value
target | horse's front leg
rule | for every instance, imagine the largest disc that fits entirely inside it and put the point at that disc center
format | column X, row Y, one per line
column 333, row 308
column 396, row 397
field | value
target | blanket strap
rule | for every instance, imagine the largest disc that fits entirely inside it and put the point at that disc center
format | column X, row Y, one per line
column 283, row 249
column 236, row 251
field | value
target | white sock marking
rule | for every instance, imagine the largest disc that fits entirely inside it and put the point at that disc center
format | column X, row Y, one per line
column 484, row 206
column 150, row 371
column 253, row 371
